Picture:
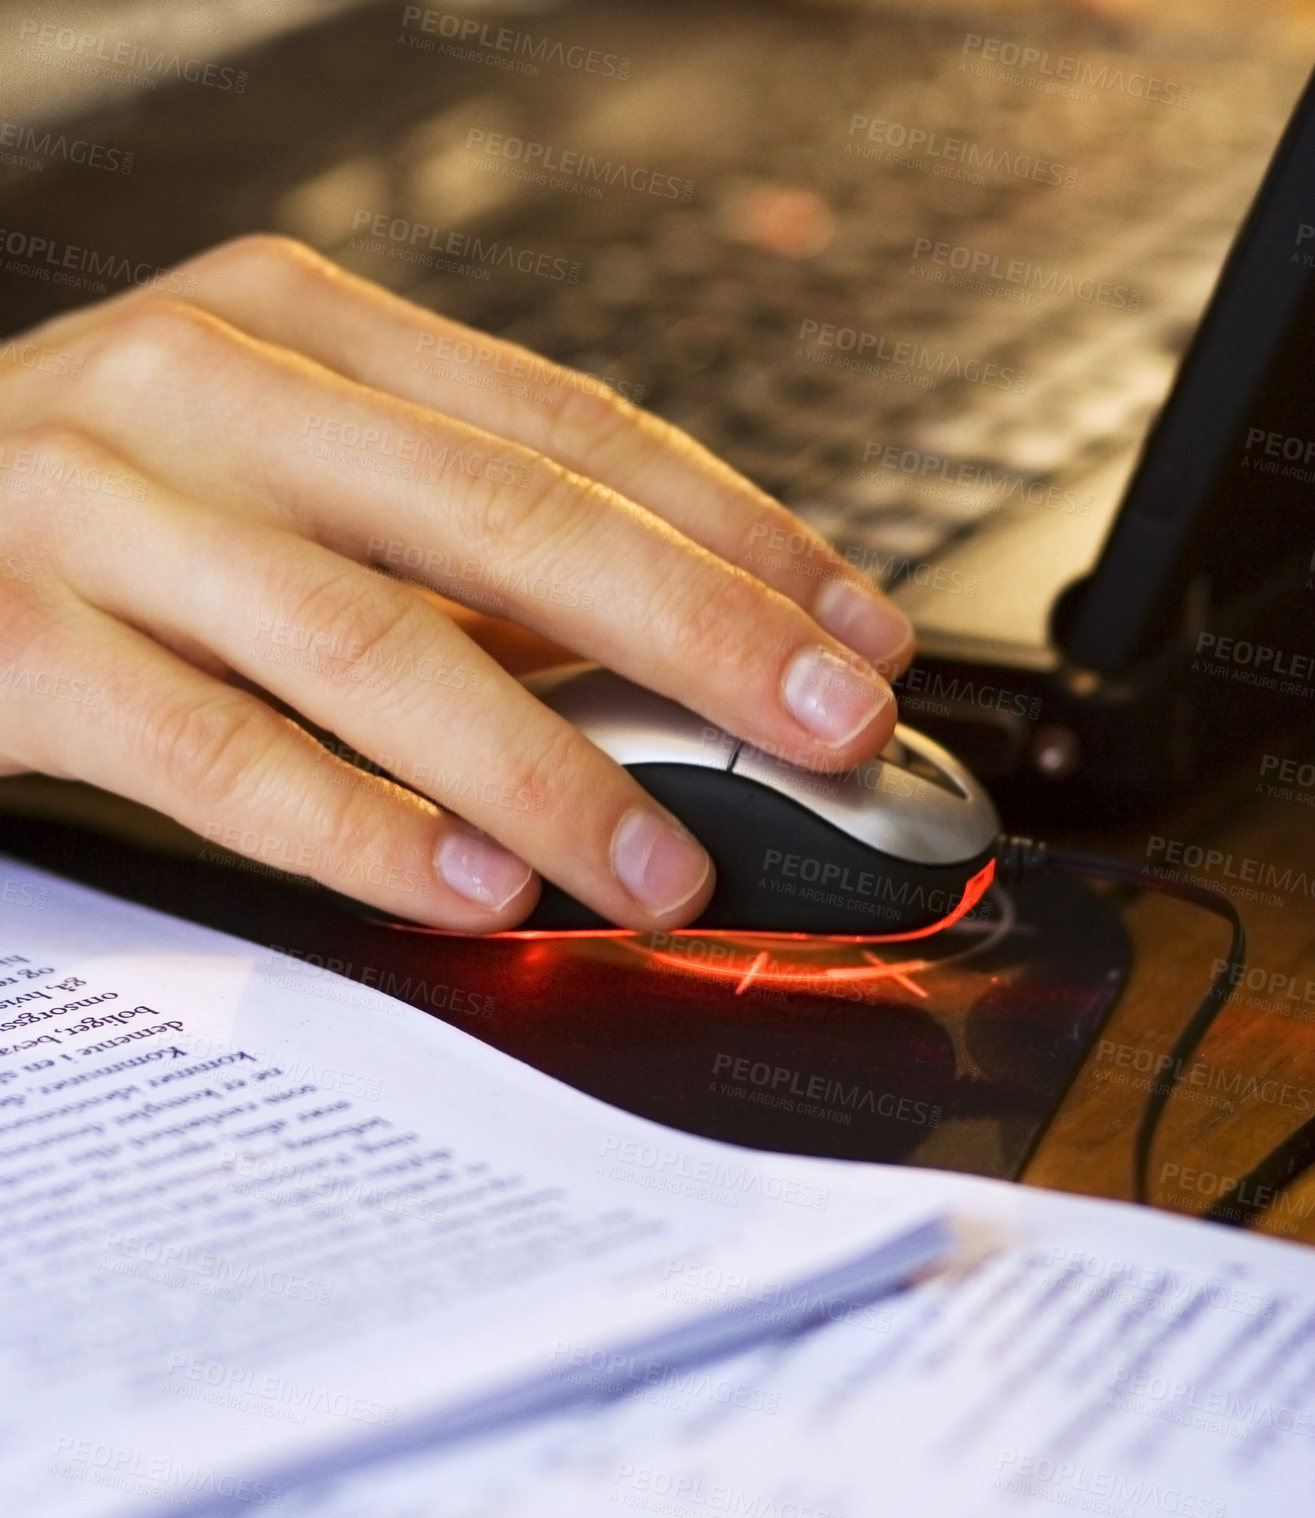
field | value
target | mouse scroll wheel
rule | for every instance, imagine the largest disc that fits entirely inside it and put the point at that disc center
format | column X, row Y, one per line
column 911, row 758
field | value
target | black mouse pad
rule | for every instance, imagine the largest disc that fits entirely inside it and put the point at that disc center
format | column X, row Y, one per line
column 952, row 1051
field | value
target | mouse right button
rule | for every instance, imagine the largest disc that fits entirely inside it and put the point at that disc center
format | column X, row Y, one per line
column 884, row 806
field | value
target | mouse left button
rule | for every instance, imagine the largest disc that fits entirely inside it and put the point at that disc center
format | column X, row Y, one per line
column 631, row 724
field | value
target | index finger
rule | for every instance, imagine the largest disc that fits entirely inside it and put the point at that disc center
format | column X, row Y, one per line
column 282, row 292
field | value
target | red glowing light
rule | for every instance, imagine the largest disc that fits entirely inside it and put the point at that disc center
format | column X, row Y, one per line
column 760, row 970
column 973, row 892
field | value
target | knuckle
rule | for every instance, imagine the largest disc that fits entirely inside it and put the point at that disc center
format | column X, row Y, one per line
column 260, row 255
column 351, row 826
column 558, row 772
column 55, row 441
column 35, row 652
column 209, row 750
column 259, row 248
column 707, row 621
column 354, row 622
column 789, row 539
column 587, row 420
column 519, row 517
column 24, row 622
column 76, row 479
column 60, row 466
column 148, row 340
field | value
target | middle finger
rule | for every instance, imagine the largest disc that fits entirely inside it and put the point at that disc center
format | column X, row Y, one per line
column 390, row 482
column 380, row 668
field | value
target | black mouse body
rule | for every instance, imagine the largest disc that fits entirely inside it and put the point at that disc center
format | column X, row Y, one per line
column 886, row 847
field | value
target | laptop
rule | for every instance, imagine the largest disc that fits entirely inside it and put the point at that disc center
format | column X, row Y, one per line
column 1063, row 564
column 1181, row 601
column 926, row 273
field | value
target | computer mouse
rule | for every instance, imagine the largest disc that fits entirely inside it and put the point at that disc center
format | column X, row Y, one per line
column 887, row 847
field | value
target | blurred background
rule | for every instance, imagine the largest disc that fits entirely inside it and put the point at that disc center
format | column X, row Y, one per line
column 327, row 119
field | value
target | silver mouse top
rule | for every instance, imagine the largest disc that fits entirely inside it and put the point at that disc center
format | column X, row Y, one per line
column 914, row 801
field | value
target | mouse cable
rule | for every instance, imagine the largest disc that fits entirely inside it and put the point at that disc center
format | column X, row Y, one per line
column 1021, row 857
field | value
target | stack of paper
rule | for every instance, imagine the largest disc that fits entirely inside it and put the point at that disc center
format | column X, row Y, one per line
column 275, row 1242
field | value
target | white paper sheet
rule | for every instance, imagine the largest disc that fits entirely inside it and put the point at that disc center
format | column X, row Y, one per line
column 1109, row 1361
column 246, row 1225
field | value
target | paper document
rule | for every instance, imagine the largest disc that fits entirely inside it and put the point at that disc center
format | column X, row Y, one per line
column 1109, row 1361
column 248, row 1226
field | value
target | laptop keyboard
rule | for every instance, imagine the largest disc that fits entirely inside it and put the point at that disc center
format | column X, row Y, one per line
column 701, row 305
column 713, row 354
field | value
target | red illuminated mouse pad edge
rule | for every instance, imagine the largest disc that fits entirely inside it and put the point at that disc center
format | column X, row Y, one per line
column 952, row 1051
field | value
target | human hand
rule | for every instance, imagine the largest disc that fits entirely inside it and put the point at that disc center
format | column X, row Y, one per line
column 198, row 479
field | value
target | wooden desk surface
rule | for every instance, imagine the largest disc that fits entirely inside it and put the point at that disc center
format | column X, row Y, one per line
column 1251, row 1083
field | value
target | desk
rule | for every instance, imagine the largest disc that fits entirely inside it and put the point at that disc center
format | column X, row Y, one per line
column 1255, row 1072
column 1250, row 1085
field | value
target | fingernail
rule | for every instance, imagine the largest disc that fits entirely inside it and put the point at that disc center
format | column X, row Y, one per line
column 661, row 867
column 864, row 621
column 478, row 869
column 832, row 700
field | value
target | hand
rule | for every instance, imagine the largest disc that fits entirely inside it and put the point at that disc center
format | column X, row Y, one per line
column 200, row 486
